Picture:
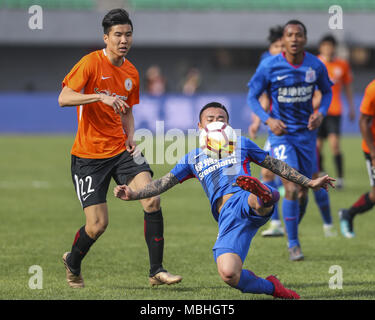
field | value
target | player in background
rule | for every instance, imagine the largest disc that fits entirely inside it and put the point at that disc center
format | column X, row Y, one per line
column 290, row 79
column 367, row 126
column 240, row 204
column 276, row 46
column 105, row 87
column 340, row 74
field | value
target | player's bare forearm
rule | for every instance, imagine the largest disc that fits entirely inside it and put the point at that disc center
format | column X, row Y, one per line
column 128, row 123
column 157, row 187
column 68, row 98
column 285, row 171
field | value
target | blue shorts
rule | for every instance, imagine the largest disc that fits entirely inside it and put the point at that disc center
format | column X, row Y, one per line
column 298, row 150
column 238, row 225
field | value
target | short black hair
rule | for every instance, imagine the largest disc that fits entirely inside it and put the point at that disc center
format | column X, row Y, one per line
column 296, row 22
column 275, row 34
column 328, row 38
column 213, row 105
column 115, row 17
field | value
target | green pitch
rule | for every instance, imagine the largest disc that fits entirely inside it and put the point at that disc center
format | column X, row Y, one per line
column 40, row 214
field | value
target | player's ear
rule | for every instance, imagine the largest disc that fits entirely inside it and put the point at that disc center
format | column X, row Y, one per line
column 199, row 125
column 105, row 38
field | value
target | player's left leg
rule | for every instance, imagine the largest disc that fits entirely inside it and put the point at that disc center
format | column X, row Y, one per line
column 238, row 224
column 154, row 232
column 365, row 203
column 334, row 141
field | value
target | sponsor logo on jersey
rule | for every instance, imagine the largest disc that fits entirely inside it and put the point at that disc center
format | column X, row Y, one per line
column 208, row 165
column 109, row 93
column 295, row 94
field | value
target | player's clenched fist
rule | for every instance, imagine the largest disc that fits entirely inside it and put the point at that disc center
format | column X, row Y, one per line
column 118, row 105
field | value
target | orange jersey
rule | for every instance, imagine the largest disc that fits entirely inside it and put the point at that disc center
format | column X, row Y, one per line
column 100, row 133
column 368, row 108
column 339, row 73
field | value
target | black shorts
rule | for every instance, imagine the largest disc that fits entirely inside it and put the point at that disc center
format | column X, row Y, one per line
column 370, row 169
column 91, row 177
column 330, row 124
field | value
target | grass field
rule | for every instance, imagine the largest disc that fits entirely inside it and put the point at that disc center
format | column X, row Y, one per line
column 40, row 214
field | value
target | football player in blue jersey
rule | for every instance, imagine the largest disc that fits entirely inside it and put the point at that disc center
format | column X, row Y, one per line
column 290, row 79
column 240, row 204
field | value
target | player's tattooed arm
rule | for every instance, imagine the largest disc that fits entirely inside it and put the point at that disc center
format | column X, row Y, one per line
column 154, row 188
column 285, row 171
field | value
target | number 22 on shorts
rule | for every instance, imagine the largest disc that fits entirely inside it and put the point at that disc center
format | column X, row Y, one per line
column 82, row 185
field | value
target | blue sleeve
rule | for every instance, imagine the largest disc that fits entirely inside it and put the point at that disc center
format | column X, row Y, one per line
column 257, row 85
column 324, row 84
column 253, row 152
column 182, row 170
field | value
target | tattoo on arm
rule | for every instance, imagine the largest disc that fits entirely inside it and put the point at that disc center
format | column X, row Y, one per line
column 157, row 187
column 284, row 170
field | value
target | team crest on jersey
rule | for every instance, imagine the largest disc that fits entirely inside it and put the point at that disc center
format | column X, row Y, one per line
column 128, row 84
column 310, row 75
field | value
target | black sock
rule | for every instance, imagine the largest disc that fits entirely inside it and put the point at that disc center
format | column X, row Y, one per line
column 339, row 165
column 153, row 230
column 320, row 164
column 363, row 204
column 81, row 245
column 302, row 207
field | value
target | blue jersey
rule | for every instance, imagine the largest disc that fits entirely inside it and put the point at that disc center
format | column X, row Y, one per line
column 217, row 176
column 291, row 89
column 265, row 55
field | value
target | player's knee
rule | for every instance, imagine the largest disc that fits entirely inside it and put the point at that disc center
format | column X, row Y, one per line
column 96, row 229
column 291, row 192
column 267, row 175
column 229, row 276
column 151, row 204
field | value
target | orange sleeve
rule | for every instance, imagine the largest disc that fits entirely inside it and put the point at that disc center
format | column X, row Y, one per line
column 78, row 77
column 133, row 98
column 347, row 76
column 368, row 100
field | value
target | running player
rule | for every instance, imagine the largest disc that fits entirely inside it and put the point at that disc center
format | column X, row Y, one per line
column 367, row 126
column 276, row 46
column 340, row 74
column 105, row 87
column 227, row 183
column 290, row 79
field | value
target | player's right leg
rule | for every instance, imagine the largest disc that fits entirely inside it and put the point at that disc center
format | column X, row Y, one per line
column 91, row 178
column 275, row 228
column 365, row 202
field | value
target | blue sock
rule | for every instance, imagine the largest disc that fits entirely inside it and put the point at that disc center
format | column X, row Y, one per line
column 322, row 200
column 250, row 283
column 291, row 216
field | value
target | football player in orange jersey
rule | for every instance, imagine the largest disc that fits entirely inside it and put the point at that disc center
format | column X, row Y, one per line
column 105, row 87
column 367, row 125
column 340, row 74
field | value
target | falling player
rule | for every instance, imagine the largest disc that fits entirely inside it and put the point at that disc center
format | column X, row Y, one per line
column 240, row 204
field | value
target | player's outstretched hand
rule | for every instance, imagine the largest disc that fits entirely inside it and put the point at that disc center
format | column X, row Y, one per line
column 124, row 192
column 322, row 182
column 277, row 126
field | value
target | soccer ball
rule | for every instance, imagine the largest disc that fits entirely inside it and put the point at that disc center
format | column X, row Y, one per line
column 217, row 140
